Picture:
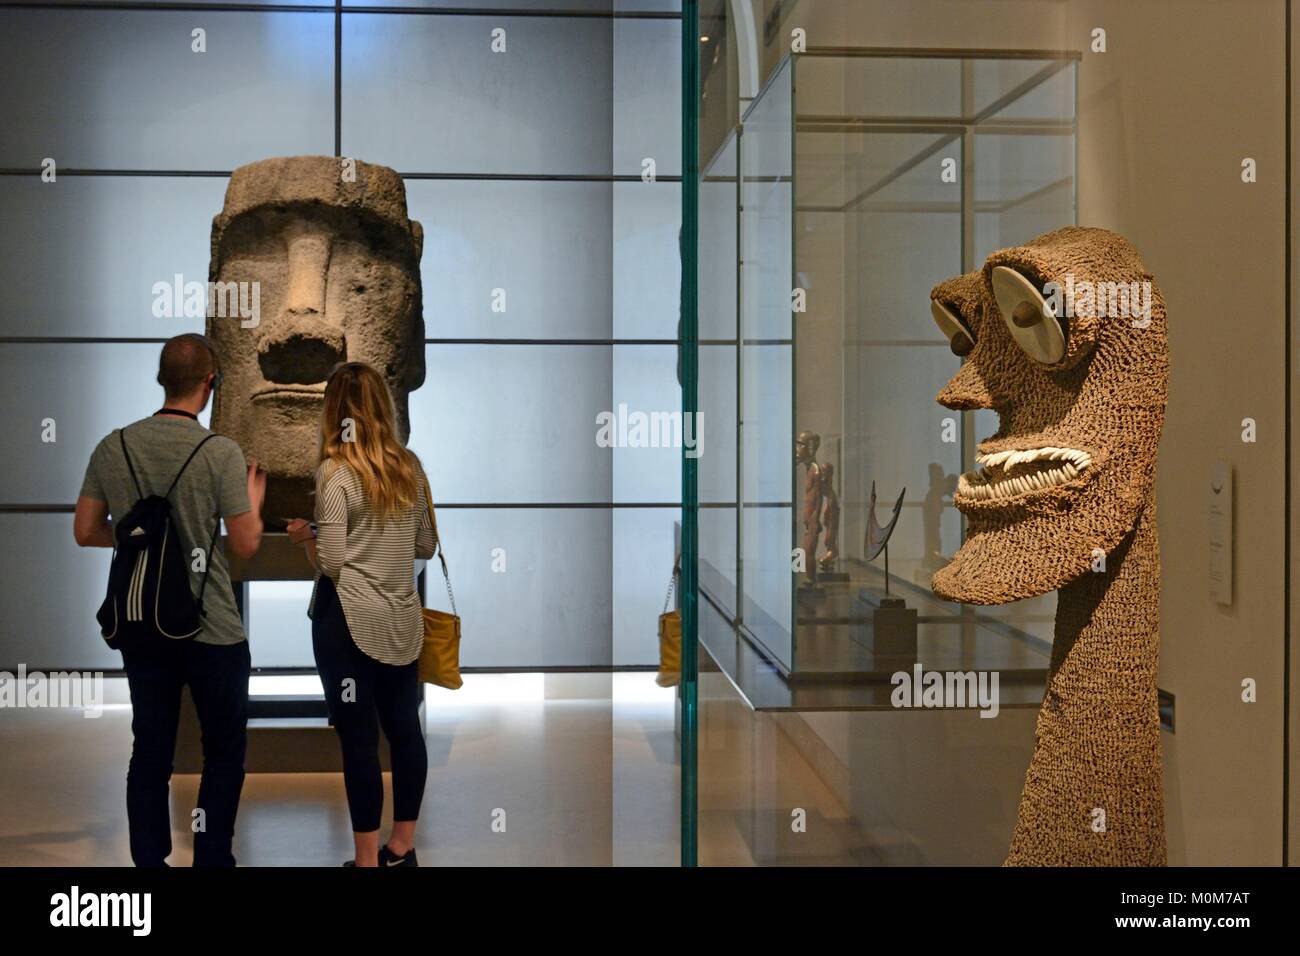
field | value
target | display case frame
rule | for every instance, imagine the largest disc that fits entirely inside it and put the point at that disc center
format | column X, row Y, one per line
column 988, row 96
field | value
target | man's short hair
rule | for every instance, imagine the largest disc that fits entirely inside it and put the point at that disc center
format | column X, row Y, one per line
column 185, row 364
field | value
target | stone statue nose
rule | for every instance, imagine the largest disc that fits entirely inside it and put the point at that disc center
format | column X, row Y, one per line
column 300, row 347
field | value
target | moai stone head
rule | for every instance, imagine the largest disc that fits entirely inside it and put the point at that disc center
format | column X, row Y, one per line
column 336, row 264
column 1065, row 338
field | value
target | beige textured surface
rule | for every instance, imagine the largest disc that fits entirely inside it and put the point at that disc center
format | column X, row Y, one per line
column 336, row 263
column 1098, row 739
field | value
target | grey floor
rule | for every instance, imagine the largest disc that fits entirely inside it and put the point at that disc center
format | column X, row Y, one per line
column 583, row 770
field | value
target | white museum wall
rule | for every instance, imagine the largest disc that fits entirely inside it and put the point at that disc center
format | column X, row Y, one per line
column 1164, row 123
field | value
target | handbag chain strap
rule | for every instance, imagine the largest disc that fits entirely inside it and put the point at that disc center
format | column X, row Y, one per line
column 437, row 545
column 672, row 581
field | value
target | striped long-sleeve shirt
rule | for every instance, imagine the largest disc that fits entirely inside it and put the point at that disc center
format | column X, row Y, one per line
column 372, row 563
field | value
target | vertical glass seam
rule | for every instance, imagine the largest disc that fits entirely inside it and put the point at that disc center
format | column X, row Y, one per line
column 809, row 559
column 690, row 401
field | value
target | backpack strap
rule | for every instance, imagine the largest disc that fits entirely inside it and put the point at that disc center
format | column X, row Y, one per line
column 216, row 527
column 121, row 434
column 206, row 438
column 208, row 565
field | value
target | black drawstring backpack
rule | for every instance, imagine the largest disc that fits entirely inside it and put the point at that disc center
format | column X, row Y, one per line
column 149, row 593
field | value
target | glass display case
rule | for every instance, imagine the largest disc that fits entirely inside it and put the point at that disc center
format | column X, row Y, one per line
column 837, row 185
column 857, row 179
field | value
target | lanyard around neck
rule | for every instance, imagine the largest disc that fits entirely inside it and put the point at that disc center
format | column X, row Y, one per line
column 176, row 411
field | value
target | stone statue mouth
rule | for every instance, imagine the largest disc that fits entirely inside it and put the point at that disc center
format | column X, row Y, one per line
column 277, row 390
column 1018, row 473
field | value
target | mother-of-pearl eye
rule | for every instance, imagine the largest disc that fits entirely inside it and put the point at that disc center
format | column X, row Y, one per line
column 959, row 339
column 1028, row 317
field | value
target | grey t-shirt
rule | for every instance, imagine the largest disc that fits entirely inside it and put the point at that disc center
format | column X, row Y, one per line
column 216, row 482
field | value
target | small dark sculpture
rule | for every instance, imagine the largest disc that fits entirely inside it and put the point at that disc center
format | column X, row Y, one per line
column 877, row 539
column 890, row 633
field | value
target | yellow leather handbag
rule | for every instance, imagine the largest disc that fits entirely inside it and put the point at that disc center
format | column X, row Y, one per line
column 670, row 636
column 440, row 656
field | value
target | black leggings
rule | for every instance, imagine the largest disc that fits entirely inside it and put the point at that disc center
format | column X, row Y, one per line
column 377, row 694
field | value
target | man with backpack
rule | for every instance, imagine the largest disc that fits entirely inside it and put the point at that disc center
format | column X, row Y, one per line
column 167, row 482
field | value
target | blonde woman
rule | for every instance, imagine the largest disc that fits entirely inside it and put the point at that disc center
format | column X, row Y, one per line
column 371, row 523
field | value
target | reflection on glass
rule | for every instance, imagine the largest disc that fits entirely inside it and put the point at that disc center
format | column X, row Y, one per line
column 767, row 373
column 719, row 202
column 865, row 180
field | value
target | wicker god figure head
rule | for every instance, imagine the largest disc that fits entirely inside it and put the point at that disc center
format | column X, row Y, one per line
column 1065, row 339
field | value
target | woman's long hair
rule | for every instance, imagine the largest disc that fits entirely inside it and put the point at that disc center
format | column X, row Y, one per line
column 358, row 426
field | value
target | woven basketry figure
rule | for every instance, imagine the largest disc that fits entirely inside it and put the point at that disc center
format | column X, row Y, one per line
column 1065, row 499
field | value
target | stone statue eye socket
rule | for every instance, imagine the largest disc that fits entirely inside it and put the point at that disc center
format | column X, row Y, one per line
column 959, row 335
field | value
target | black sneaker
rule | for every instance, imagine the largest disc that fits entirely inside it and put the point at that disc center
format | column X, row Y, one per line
column 388, row 858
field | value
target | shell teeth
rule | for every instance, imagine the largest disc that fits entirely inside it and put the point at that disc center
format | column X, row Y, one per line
column 982, row 485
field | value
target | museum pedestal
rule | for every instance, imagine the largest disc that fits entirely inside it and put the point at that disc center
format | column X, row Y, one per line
column 889, row 631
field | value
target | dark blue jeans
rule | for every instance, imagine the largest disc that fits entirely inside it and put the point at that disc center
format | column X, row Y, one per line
column 218, row 680
column 376, row 694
